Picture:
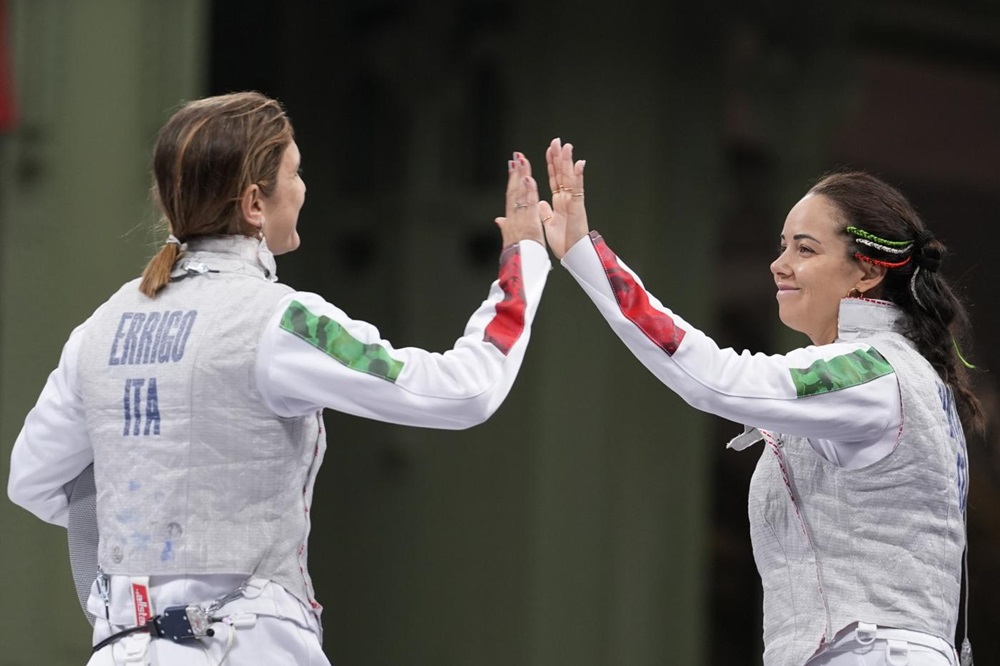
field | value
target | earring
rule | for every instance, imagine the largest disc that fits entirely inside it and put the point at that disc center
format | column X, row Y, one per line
column 855, row 293
column 260, row 229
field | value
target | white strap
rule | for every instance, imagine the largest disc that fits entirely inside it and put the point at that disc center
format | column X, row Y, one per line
column 136, row 647
column 897, row 653
column 866, row 633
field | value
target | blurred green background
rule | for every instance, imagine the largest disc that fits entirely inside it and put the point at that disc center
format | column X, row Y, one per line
column 596, row 519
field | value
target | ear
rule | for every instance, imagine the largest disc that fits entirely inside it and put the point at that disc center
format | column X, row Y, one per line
column 872, row 277
column 252, row 207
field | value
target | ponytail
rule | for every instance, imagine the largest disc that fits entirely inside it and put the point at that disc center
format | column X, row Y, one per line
column 156, row 275
column 941, row 330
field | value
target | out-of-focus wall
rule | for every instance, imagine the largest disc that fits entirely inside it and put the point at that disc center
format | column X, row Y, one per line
column 95, row 80
column 596, row 519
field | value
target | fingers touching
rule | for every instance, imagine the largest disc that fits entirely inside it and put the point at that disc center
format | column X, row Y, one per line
column 564, row 220
column 521, row 221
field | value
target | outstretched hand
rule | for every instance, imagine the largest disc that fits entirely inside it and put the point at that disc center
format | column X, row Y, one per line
column 522, row 219
column 566, row 219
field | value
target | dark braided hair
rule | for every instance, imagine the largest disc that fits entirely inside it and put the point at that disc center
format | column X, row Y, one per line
column 884, row 229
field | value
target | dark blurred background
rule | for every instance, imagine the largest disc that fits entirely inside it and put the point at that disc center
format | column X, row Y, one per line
column 596, row 519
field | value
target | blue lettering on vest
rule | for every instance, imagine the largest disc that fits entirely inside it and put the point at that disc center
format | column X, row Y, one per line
column 153, row 351
column 132, row 408
column 182, row 336
column 167, row 341
column 956, row 433
column 151, row 337
column 132, row 338
column 119, row 333
column 146, row 339
column 133, row 394
column 152, row 409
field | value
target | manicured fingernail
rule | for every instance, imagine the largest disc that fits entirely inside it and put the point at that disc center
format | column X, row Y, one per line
column 511, row 165
column 583, row 163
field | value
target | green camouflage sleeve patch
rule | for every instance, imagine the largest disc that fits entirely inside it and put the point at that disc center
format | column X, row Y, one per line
column 330, row 338
column 840, row 372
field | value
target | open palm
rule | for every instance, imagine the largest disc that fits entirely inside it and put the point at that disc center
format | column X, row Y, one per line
column 566, row 218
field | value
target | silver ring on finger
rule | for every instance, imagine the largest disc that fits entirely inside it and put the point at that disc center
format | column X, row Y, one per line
column 520, row 205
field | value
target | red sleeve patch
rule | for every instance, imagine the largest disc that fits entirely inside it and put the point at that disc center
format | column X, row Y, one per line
column 508, row 323
column 634, row 302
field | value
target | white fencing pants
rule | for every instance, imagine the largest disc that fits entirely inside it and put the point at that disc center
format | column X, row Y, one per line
column 269, row 641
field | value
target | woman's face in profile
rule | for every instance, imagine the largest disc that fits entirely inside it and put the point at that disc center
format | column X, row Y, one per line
column 281, row 209
column 814, row 269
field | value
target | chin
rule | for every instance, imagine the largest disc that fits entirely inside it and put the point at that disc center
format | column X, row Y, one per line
column 790, row 323
column 290, row 245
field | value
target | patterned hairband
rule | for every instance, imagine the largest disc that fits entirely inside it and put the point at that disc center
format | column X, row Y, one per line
column 861, row 233
column 883, row 248
column 877, row 262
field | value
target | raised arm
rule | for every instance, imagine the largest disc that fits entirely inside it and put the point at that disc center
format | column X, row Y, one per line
column 314, row 355
column 857, row 400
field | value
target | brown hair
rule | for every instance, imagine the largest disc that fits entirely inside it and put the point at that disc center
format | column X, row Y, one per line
column 207, row 154
column 935, row 318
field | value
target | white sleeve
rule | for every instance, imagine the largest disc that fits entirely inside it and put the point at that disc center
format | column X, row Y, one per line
column 53, row 446
column 845, row 392
column 312, row 355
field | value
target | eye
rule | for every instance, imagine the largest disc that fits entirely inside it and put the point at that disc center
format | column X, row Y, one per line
column 805, row 249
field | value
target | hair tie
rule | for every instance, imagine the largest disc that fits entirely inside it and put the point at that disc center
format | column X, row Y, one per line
column 929, row 258
column 173, row 240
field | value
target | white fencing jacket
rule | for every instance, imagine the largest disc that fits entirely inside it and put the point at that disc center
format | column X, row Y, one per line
column 311, row 355
column 844, row 401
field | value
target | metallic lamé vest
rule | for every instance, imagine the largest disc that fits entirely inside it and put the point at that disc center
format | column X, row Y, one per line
column 194, row 474
column 879, row 544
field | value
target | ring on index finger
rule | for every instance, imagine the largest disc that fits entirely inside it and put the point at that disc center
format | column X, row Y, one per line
column 520, row 205
column 564, row 189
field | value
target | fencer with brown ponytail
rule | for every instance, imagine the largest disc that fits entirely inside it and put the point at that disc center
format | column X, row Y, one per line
column 206, row 156
column 886, row 230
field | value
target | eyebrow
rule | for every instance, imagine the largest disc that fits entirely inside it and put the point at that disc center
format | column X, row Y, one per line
column 799, row 237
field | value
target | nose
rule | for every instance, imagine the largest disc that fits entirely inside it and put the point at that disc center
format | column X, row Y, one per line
column 779, row 267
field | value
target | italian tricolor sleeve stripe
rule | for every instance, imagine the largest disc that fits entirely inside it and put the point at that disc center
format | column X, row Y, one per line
column 332, row 339
column 840, row 372
column 508, row 322
column 634, row 302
